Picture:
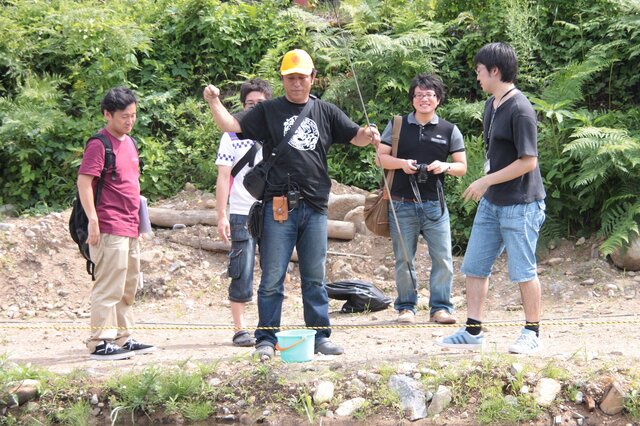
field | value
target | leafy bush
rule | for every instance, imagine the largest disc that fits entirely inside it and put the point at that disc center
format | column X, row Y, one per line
column 578, row 64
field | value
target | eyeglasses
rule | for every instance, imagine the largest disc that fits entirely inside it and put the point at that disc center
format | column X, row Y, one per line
column 424, row 95
column 251, row 104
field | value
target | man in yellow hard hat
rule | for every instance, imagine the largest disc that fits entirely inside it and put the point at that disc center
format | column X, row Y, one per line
column 297, row 192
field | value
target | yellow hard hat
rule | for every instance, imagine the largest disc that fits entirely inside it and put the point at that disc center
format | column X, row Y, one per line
column 296, row 61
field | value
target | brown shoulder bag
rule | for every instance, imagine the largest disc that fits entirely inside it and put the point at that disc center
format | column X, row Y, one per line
column 376, row 205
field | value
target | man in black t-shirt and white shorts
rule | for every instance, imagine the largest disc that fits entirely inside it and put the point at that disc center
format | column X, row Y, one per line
column 511, row 206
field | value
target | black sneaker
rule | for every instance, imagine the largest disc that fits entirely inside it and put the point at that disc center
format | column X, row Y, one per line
column 110, row 351
column 137, row 347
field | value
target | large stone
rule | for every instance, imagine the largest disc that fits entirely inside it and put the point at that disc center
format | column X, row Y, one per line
column 628, row 259
column 348, row 407
column 440, row 401
column 546, row 391
column 412, row 399
column 612, row 401
column 340, row 205
column 356, row 216
column 324, row 392
column 21, row 392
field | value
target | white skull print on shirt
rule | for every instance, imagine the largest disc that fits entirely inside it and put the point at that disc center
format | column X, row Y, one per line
column 305, row 138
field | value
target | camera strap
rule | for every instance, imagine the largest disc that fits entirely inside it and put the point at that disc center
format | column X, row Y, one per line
column 439, row 190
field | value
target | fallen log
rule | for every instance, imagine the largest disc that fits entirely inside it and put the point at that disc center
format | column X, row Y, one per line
column 337, row 229
column 169, row 217
column 212, row 245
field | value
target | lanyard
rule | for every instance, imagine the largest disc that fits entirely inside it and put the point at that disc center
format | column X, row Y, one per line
column 493, row 115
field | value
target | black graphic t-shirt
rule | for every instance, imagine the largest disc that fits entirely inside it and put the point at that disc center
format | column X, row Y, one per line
column 302, row 164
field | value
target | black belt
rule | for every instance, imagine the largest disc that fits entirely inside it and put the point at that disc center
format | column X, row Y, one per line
column 403, row 199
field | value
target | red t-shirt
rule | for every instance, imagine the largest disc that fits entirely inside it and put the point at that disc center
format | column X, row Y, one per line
column 119, row 207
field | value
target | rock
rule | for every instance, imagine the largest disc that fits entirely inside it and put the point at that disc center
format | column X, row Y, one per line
column 357, row 387
column 7, row 226
column 516, row 368
column 340, row 205
column 21, row 392
column 189, row 187
column 440, row 401
column 8, row 210
column 369, row 377
column 29, row 233
column 590, row 403
column 555, row 261
column 412, row 399
column 579, row 397
column 589, row 281
column 628, row 258
column 511, row 400
column 546, row 391
column 580, row 241
column 612, row 401
column 150, row 256
column 381, row 271
column 323, row 393
column 177, row 265
column 94, row 399
column 356, row 216
column 348, row 407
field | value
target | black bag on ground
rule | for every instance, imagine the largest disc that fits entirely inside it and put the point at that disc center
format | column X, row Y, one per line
column 360, row 296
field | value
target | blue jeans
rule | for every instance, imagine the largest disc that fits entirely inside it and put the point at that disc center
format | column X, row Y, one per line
column 413, row 222
column 241, row 260
column 513, row 227
column 306, row 229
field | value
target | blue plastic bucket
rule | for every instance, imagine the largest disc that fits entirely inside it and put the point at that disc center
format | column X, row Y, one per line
column 296, row 345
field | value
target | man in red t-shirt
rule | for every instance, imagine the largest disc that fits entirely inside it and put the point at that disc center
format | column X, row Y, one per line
column 113, row 230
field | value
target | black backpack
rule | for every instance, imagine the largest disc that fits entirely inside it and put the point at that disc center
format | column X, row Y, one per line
column 79, row 222
column 360, row 296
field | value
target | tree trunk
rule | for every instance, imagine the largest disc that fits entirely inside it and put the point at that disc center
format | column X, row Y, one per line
column 337, row 229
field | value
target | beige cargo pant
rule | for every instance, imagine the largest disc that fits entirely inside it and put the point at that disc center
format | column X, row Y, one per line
column 117, row 272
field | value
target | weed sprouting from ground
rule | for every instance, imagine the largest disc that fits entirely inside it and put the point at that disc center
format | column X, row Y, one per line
column 553, row 371
column 303, row 405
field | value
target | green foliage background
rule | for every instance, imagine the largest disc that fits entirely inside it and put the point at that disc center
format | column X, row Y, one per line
column 578, row 64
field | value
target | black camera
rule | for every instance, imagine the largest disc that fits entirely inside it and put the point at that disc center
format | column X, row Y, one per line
column 422, row 174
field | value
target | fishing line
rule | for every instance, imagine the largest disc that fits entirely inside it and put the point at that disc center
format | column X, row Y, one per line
column 385, row 183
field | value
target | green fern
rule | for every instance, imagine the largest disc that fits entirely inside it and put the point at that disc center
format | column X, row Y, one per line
column 609, row 160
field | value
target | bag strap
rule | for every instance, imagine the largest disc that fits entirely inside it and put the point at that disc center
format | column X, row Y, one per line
column 109, row 160
column 305, row 111
column 248, row 157
column 395, row 139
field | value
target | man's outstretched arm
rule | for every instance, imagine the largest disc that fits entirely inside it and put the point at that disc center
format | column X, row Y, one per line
column 225, row 121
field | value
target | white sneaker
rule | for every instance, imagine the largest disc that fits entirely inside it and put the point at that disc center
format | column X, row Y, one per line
column 406, row 317
column 527, row 343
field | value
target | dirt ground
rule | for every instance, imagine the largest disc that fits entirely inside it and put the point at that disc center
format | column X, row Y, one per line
column 590, row 307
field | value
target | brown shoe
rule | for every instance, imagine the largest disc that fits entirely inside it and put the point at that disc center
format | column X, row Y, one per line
column 406, row 317
column 443, row 317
